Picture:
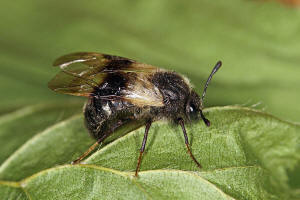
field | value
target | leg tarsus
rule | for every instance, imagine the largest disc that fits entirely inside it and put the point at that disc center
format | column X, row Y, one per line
column 142, row 148
column 85, row 154
column 138, row 164
column 181, row 122
column 192, row 156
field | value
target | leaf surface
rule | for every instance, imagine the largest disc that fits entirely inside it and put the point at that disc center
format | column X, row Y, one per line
column 253, row 157
column 18, row 126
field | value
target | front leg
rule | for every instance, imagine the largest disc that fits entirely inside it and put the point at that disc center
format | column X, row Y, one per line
column 181, row 122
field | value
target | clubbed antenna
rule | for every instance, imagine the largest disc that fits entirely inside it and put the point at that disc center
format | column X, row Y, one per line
column 215, row 69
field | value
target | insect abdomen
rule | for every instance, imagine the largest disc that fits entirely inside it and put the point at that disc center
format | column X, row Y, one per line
column 94, row 117
column 103, row 117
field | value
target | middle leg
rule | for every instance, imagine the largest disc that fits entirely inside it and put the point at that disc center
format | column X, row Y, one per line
column 142, row 147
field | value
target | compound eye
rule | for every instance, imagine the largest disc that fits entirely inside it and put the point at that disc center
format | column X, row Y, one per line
column 192, row 108
column 193, row 111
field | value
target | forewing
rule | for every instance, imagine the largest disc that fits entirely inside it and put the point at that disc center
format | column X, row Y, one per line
column 82, row 72
column 68, row 83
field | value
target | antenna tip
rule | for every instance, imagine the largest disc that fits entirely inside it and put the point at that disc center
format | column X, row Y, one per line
column 207, row 122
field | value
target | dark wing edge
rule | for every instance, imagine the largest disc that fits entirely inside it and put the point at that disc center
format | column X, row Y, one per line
column 91, row 59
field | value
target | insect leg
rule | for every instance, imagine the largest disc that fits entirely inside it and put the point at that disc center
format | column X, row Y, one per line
column 181, row 122
column 142, row 147
column 85, row 154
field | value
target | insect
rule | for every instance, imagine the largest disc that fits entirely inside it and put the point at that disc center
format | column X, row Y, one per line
column 123, row 93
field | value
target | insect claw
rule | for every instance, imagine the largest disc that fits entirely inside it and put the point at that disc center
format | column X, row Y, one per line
column 74, row 162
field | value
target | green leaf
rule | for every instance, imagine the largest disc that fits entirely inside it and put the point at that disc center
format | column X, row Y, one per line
column 57, row 145
column 19, row 126
column 10, row 190
column 245, row 154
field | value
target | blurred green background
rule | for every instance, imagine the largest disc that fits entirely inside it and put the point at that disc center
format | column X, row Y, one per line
column 258, row 42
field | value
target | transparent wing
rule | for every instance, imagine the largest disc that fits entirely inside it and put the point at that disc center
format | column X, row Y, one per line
column 81, row 73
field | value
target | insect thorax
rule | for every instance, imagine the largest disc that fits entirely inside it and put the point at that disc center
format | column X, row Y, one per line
column 175, row 91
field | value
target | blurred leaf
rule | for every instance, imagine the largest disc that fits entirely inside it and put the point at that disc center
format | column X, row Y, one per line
column 258, row 42
column 290, row 2
column 19, row 126
column 58, row 144
column 245, row 154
